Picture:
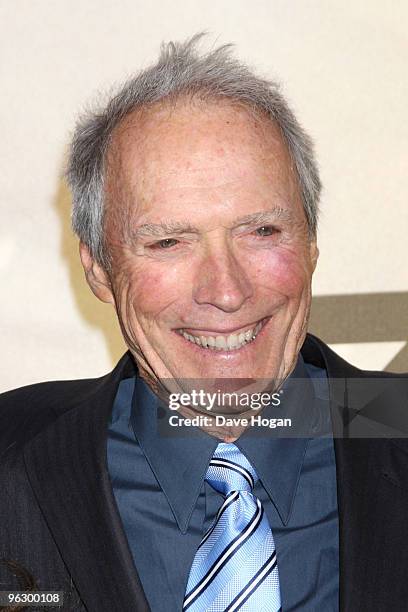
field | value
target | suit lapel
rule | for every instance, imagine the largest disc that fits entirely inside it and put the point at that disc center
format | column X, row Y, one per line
column 372, row 490
column 66, row 465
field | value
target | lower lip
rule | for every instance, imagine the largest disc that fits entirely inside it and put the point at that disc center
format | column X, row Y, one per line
column 225, row 355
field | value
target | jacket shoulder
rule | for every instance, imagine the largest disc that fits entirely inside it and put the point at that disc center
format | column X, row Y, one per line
column 318, row 353
column 26, row 411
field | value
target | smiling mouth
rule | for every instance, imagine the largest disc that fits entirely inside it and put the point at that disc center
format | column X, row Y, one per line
column 224, row 342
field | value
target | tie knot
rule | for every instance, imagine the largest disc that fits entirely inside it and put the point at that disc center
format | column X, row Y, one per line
column 230, row 470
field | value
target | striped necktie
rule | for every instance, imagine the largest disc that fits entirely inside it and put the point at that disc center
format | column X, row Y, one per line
column 235, row 565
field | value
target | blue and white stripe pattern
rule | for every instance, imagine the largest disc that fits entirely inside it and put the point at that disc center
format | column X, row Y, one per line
column 235, row 565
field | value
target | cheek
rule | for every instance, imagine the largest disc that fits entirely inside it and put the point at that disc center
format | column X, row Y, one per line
column 152, row 290
column 282, row 271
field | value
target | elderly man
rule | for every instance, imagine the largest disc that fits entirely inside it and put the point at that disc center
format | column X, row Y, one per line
column 195, row 197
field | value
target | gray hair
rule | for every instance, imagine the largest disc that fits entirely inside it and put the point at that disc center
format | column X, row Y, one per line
column 180, row 71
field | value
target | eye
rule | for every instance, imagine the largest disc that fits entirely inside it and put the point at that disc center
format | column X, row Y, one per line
column 166, row 243
column 266, row 230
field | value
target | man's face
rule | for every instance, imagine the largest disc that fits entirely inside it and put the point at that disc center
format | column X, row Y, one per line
column 211, row 261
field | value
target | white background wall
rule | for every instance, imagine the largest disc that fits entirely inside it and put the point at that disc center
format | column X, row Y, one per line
column 343, row 65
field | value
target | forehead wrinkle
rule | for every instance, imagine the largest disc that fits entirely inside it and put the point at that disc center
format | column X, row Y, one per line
column 147, row 130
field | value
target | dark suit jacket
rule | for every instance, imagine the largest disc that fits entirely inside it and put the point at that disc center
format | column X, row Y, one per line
column 60, row 527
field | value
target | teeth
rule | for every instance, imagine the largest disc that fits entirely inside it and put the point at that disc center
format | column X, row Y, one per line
column 224, row 343
column 220, row 343
column 232, row 342
column 248, row 335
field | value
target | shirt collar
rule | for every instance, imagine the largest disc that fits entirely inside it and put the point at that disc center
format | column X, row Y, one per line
column 278, row 460
column 180, row 463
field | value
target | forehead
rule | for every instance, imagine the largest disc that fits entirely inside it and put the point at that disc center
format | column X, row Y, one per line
column 194, row 147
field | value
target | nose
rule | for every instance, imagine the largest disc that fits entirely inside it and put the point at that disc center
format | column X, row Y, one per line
column 221, row 281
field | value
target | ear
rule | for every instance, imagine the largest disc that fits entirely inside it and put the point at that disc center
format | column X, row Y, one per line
column 96, row 276
column 314, row 254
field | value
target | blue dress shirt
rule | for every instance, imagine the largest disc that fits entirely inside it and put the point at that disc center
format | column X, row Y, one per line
column 166, row 506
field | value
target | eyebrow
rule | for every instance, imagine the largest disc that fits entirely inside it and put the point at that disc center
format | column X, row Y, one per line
column 166, row 228
column 265, row 216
